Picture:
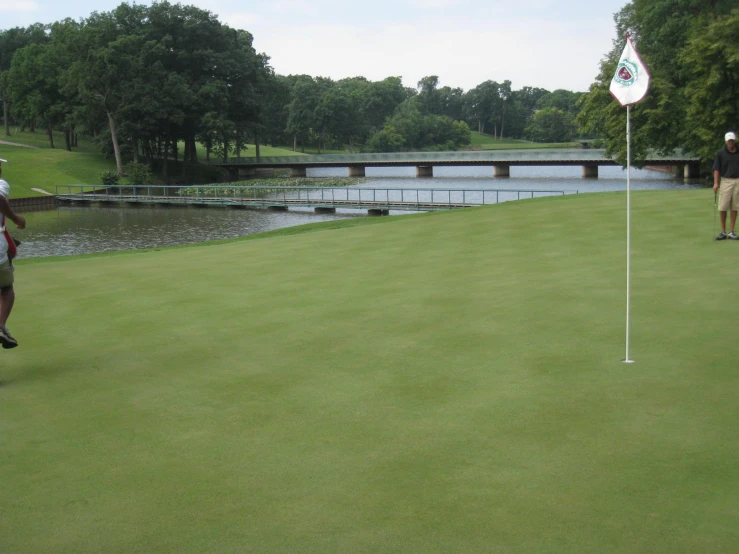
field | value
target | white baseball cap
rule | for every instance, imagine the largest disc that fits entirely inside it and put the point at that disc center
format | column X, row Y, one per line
column 729, row 136
column 3, row 161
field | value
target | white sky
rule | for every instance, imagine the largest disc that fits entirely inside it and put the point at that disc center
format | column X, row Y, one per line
column 540, row 43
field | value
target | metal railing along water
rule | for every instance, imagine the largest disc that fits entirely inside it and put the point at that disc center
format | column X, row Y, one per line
column 417, row 199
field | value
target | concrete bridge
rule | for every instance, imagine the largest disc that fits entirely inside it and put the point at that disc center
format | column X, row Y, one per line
column 500, row 160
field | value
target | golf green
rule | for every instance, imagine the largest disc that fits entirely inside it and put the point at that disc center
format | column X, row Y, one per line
column 448, row 382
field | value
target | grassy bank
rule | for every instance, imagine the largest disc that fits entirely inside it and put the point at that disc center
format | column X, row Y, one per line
column 447, row 382
column 482, row 141
column 44, row 168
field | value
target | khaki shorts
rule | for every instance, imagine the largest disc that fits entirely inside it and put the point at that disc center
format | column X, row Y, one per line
column 728, row 198
column 6, row 275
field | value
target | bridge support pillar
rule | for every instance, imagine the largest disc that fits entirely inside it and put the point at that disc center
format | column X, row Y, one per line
column 356, row 171
column 590, row 171
column 298, row 171
column 325, row 210
column 424, row 171
column 247, row 172
column 501, row 170
column 691, row 171
column 378, row 211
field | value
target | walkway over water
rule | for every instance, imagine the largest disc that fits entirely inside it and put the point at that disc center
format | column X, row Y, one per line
column 378, row 201
column 501, row 160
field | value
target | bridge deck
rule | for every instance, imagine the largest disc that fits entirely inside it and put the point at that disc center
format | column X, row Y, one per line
column 489, row 157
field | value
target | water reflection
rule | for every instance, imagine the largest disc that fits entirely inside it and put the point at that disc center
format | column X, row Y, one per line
column 70, row 230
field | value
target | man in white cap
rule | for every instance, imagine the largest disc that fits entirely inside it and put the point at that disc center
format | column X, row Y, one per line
column 726, row 174
column 7, row 294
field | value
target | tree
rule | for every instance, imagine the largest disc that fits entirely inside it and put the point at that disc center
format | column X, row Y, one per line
column 551, row 125
column 410, row 129
column 33, row 84
column 682, row 107
column 711, row 58
column 304, row 99
column 11, row 41
column 379, row 101
column 561, row 99
column 105, row 65
column 521, row 108
column 429, row 97
column 481, row 103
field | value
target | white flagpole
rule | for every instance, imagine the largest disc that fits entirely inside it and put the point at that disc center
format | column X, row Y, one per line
column 628, row 230
column 629, row 85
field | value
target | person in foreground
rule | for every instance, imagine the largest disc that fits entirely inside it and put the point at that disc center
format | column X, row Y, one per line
column 726, row 174
column 7, row 294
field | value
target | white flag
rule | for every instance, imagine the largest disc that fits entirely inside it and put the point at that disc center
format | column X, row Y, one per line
column 631, row 81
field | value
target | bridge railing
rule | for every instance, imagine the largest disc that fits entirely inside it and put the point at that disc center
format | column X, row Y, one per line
column 306, row 196
column 493, row 156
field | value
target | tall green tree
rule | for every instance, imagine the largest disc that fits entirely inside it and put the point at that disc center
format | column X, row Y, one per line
column 711, row 58
column 551, row 125
column 12, row 40
column 689, row 48
column 521, row 109
column 380, row 99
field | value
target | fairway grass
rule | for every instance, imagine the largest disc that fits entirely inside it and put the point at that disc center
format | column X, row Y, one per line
column 447, row 382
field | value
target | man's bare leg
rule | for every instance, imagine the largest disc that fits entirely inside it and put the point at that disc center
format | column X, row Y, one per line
column 7, row 299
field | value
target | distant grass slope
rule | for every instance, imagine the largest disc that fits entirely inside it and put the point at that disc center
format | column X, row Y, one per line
column 447, row 382
column 44, row 167
column 488, row 142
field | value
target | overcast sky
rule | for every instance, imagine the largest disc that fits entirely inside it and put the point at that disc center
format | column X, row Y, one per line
column 540, row 43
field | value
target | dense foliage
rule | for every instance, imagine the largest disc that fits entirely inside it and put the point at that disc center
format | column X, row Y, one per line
column 143, row 80
column 691, row 48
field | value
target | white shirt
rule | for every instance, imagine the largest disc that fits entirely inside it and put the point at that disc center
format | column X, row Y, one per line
column 4, row 191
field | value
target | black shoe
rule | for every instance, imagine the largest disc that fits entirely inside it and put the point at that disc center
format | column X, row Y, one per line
column 732, row 236
column 6, row 339
column 721, row 236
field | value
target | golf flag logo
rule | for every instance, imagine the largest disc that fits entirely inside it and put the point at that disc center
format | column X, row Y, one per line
column 631, row 81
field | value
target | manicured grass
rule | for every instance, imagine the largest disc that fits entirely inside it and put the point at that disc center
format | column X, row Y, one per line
column 40, row 139
column 488, row 142
column 45, row 168
column 447, row 382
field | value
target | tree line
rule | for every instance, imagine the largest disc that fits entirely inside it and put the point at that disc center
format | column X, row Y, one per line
column 148, row 83
column 151, row 82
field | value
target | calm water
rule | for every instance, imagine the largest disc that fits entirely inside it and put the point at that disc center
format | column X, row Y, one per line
column 70, row 230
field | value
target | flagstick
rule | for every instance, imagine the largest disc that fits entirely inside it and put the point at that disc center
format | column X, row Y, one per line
column 628, row 230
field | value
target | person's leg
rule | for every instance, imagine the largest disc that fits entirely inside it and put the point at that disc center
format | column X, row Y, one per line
column 7, row 299
column 733, row 220
column 725, row 198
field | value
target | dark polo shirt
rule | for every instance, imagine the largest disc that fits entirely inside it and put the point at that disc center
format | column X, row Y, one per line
column 727, row 163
